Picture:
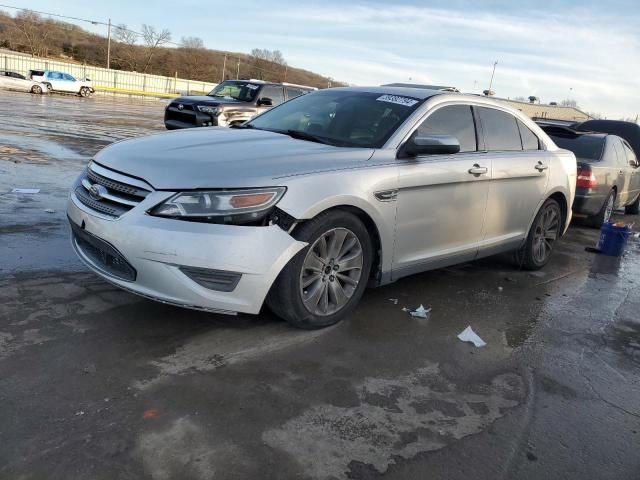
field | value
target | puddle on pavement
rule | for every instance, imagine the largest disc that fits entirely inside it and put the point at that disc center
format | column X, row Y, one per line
column 26, row 148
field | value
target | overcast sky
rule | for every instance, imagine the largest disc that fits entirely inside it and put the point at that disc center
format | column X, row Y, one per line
column 588, row 51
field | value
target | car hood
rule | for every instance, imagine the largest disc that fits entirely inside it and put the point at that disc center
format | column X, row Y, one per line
column 206, row 100
column 221, row 158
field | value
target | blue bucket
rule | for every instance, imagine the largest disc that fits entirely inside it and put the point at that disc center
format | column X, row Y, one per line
column 613, row 239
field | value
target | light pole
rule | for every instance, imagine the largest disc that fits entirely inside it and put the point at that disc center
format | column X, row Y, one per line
column 109, row 45
column 224, row 67
column 492, row 74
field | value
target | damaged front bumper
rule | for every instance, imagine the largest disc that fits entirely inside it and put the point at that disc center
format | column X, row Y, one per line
column 220, row 268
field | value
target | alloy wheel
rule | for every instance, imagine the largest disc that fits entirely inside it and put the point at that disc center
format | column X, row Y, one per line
column 546, row 234
column 608, row 209
column 331, row 271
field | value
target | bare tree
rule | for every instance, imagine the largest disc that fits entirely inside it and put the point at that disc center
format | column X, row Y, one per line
column 191, row 42
column 267, row 63
column 152, row 40
column 195, row 60
column 33, row 31
column 125, row 52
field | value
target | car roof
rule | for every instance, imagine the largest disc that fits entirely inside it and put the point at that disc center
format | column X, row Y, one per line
column 420, row 93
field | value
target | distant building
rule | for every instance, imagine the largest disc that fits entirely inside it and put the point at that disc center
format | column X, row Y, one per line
column 540, row 111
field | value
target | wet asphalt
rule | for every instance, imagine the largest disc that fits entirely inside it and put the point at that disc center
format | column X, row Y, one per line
column 96, row 383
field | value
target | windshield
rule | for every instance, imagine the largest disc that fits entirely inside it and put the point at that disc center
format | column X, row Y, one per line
column 584, row 146
column 340, row 117
column 243, row 91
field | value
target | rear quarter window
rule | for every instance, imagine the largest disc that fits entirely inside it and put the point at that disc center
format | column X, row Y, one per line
column 500, row 130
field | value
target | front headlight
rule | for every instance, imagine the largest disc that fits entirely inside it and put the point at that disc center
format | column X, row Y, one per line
column 208, row 109
column 222, row 206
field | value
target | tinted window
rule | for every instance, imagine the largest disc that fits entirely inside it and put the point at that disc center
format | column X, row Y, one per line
column 293, row 92
column 588, row 147
column 273, row 92
column 55, row 76
column 529, row 139
column 500, row 130
column 69, row 77
column 616, row 151
column 243, row 91
column 456, row 120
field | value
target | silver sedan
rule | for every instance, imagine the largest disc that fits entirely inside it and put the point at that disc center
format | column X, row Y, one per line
column 312, row 201
column 16, row 81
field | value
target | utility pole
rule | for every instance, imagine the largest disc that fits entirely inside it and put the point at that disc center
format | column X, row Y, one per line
column 238, row 70
column 492, row 74
column 224, row 67
column 109, row 44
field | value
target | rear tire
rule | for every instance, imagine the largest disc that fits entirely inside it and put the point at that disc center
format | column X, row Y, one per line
column 604, row 214
column 541, row 239
column 37, row 89
column 634, row 208
column 323, row 283
column 48, row 85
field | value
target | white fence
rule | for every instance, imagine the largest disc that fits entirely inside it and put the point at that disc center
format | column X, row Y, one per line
column 103, row 79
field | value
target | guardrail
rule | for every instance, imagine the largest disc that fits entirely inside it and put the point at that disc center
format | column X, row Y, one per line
column 108, row 80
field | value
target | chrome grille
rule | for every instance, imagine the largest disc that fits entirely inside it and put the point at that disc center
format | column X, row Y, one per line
column 108, row 196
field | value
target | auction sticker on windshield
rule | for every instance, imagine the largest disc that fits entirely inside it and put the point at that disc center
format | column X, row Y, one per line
column 406, row 101
column 251, row 86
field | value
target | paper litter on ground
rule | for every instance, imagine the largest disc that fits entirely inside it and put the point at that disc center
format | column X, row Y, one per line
column 468, row 335
column 394, row 301
column 25, row 190
column 419, row 312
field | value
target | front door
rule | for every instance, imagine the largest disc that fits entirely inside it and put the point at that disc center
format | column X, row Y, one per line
column 519, row 178
column 441, row 199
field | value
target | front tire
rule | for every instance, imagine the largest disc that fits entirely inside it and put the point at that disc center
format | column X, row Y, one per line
column 542, row 237
column 634, row 208
column 37, row 89
column 323, row 283
column 84, row 92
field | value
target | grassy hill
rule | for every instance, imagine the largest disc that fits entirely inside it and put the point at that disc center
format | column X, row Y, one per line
column 150, row 51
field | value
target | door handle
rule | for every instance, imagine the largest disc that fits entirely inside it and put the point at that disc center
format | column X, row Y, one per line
column 478, row 170
column 541, row 167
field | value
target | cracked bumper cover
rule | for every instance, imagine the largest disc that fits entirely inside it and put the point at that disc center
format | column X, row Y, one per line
column 157, row 247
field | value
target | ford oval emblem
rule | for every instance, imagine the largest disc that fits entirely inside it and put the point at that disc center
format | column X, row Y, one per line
column 97, row 191
column 180, row 106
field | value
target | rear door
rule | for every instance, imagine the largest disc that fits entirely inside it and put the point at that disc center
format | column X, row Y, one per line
column 56, row 80
column 273, row 92
column 441, row 198
column 519, row 177
column 70, row 84
column 620, row 172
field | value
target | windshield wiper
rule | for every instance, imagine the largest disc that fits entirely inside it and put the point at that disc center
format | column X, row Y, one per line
column 243, row 125
column 300, row 135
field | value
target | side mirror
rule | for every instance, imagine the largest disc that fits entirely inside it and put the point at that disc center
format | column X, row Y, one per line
column 266, row 101
column 434, row 144
column 634, row 163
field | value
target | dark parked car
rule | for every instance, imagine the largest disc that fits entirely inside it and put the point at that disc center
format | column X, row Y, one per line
column 608, row 173
column 231, row 103
column 628, row 130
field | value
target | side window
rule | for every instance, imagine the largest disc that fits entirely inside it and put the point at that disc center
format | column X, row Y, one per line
column 69, row 77
column 529, row 139
column 456, row 120
column 55, row 76
column 500, row 130
column 293, row 92
column 274, row 92
column 618, row 151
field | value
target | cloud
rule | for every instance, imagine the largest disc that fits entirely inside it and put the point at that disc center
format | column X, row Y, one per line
column 595, row 55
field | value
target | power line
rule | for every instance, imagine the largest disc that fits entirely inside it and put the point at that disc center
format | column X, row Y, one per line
column 124, row 28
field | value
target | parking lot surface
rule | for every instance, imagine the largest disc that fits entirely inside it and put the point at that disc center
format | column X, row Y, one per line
column 98, row 383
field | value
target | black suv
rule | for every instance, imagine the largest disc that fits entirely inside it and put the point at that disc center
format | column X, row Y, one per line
column 232, row 102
